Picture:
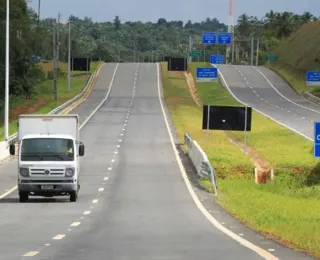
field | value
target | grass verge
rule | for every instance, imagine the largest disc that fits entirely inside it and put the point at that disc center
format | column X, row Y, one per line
column 298, row 54
column 286, row 209
column 43, row 101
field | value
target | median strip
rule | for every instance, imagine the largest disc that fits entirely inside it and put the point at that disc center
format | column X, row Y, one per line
column 285, row 208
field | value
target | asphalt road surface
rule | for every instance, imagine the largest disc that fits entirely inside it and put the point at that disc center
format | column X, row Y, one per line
column 265, row 91
column 133, row 203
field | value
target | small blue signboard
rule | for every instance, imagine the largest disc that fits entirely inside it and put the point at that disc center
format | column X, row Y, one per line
column 313, row 78
column 207, row 74
column 316, row 139
column 209, row 38
column 225, row 38
column 217, row 59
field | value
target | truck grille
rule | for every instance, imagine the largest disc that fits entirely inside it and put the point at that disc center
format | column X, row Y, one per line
column 47, row 171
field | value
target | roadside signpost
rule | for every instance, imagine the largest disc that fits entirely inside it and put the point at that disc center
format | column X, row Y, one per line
column 272, row 57
column 207, row 74
column 316, row 140
column 225, row 38
column 209, row 38
column 217, row 59
column 195, row 53
column 313, row 78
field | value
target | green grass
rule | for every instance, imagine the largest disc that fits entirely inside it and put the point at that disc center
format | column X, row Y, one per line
column 44, row 91
column 285, row 209
column 297, row 55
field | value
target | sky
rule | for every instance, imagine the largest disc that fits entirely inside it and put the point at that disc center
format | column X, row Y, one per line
column 184, row 10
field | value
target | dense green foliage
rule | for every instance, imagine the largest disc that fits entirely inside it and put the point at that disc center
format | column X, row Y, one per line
column 125, row 41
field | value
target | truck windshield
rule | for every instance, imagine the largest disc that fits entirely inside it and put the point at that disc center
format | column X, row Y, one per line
column 47, row 149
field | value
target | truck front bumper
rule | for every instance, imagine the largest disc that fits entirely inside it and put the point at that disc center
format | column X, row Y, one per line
column 47, row 188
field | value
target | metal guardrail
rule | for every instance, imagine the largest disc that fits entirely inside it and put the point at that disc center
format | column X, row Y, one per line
column 200, row 161
column 311, row 97
column 13, row 137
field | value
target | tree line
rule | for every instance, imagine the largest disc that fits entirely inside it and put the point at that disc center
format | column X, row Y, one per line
column 123, row 41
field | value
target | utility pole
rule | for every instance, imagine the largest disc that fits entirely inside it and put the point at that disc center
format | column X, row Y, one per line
column 6, row 106
column 232, row 59
column 190, row 48
column 39, row 3
column 257, row 54
column 69, row 58
column 252, row 50
column 54, row 63
column 58, row 41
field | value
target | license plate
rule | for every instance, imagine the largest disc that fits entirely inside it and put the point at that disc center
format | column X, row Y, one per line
column 47, row 187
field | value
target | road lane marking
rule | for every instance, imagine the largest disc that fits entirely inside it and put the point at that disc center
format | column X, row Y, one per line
column 83, row 124
column 290, row 128
column 104, row 100
column 110, row 168
column 58, row 237
column 113, row 160
column 86, row 212
column 118, row 145
column 31, row 253
column 47, row 244
column 95, row 201
column 101, row 189
column 105, row 178
column 214, row 221
column 310, row 109
column 8, row 192
column 75, row 224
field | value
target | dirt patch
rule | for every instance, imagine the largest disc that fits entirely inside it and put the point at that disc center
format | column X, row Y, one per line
column 26, row 108
column 263, row 167
column 192, row 88
column 174, row 98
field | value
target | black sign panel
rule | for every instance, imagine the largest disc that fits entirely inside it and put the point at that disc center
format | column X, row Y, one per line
column 226, row 118
column 167, row 58
column 80, row 64
column 177, row 64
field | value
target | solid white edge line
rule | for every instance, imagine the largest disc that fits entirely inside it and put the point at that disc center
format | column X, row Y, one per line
column 213, row 221
column 83, row 124
column 8, row 192
column 263, row 75
column 104, row 100
column 284, row 125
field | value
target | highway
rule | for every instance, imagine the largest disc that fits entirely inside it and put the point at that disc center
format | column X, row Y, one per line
column 136, row 201
column 265, row 91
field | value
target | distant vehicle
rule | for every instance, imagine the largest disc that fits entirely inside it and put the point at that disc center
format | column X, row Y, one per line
column 48, row 156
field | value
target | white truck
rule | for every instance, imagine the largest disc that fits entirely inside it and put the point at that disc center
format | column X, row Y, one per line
column 48, row 156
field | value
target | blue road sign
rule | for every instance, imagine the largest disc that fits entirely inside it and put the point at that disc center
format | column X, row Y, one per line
column 225, row 38
column 317, row 139
column 209, row 38
column 207, row 74
column 313, row 78
column 217, row 59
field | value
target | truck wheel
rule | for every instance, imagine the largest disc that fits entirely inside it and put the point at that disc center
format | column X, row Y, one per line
column 23, row 196
column 73, row 196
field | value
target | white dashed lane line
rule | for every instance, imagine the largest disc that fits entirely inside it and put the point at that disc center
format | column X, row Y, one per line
column 31, row 253
column 269, row 102
column 75, row 224
column 59, row 237
column 95, row 201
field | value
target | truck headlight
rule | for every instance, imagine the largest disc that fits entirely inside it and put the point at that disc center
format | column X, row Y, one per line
column 24, row 172
column 69, row 172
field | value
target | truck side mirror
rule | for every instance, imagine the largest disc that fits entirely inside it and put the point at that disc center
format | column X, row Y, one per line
column 81, row 149
column 12, row 149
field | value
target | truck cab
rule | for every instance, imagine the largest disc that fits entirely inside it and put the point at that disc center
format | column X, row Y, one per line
column 48, row 156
